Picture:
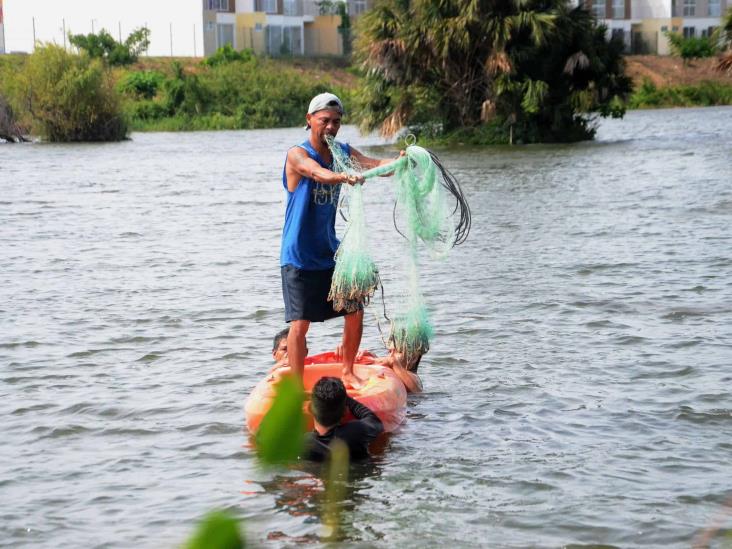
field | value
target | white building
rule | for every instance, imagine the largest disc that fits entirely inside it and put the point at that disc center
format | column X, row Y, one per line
column 643, row 24
column 275, row 27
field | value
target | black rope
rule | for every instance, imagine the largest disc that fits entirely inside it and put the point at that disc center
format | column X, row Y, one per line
column 450, row 183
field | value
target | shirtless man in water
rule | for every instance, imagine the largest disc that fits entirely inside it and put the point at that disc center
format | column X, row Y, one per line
column 309, row 241
column 406, row 370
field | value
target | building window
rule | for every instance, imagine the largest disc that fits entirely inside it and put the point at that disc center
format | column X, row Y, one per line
column 210, row 26
column 292, row 40
column 290, row 7
column 689, row 32
column 357, row 7
column 267, row 6
column 715, row 10
column 218, row 5
column 618, row 9
column 224, row 35
column 598, row 8
column 689, row 8
column 618, row 35
column 284, row 40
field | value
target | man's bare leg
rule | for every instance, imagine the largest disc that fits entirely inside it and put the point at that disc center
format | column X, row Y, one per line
column 352, row 330
column 296, row 349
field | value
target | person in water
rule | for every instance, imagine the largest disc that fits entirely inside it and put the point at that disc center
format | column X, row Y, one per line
column 328, row 403
column 404, row 367
column 309, row 241
column 406, row 370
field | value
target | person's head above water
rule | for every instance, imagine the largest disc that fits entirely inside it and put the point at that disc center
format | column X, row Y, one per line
column 324, row 115
column 279, row 345
column 328, row 401
column 405, row 360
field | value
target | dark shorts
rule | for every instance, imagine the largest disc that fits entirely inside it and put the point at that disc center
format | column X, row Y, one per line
column 306, row 294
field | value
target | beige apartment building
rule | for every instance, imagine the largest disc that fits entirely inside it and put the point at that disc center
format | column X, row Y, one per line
column 643, row 24
column 276, row 27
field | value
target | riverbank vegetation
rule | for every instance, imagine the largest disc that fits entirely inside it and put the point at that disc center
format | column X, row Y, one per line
column 64, row 97
column 529, row 73
column 227, row 91
column 704, row 94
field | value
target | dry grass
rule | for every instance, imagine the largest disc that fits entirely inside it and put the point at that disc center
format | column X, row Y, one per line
column 671, row 71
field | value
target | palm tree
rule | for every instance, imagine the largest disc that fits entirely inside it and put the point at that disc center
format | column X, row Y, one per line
column 453, row 48
column 725, row 40
column 457, row 62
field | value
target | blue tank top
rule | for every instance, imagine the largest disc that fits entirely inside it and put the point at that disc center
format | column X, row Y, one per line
column 308, row 238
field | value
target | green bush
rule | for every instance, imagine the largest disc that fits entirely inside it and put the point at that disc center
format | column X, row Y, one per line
column 705, row 94
column 246, row 94
column 148, row 110
column 103, row 46
column 69, row 97
column 228, row 54
column 143, row 85
column 692, row 47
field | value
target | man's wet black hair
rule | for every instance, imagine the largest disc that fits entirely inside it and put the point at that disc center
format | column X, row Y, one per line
column 282, row 334
column 328, row 401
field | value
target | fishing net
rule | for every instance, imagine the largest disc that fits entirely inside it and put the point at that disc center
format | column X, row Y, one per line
column 355, row 278
column 422, row 186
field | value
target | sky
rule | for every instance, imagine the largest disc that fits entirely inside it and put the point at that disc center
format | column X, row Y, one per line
column 108, row 14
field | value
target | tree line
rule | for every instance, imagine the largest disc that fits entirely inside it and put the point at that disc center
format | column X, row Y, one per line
column 480, row 71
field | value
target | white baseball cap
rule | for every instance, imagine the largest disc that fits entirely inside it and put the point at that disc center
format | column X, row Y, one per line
column 325, row 101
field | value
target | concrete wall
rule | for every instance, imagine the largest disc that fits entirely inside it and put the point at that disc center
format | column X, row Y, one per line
column 209, row 32
column 650, row 9
column 250, row 31
column 322, row 36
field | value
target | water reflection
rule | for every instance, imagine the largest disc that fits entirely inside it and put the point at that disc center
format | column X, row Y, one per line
column 301, row 492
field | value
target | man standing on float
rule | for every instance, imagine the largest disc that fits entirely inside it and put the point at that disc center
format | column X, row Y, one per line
column 309, row 241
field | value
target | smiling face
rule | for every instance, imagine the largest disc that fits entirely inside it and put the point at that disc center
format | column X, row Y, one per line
column 324, row 123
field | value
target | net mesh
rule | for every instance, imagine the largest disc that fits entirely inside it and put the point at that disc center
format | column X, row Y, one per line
column 421, row 188
column 356, row 277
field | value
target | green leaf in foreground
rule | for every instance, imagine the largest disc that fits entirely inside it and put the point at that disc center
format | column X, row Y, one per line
column 217, row 531
column 280, row 435
column 335, row 489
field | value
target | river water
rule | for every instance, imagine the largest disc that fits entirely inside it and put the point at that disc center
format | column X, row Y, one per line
column 577, row 391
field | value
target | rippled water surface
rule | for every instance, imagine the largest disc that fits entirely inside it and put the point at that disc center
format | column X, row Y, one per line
column 577, row 392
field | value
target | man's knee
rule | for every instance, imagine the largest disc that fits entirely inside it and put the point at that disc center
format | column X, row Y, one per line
column 299, row 329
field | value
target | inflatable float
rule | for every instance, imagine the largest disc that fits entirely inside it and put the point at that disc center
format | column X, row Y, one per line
column 383, row 392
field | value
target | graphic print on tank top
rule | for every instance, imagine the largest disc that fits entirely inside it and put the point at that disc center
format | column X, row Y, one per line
column 325, row 194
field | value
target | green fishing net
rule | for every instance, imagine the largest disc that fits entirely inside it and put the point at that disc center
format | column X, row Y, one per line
column 355, row 278
column 421, row 188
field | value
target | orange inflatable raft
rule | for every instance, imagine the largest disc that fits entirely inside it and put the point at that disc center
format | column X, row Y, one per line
column 383, row 392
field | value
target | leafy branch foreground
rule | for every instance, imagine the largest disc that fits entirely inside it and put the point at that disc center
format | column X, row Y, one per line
column 279, row 442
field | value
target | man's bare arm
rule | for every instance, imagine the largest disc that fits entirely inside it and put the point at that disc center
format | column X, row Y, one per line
column 366, row 162
column 299, row 165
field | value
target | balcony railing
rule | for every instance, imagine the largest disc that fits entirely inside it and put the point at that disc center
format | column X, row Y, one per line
column 288, row 7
